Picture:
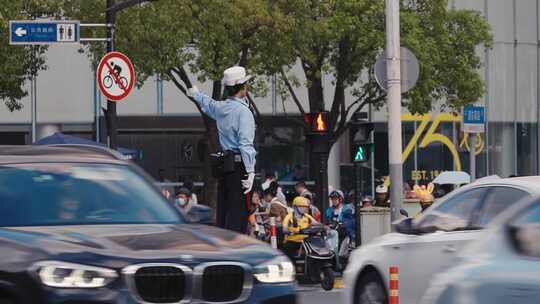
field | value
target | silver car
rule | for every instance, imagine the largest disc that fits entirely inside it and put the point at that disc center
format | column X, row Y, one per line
column 502, row 267
column 429, row 244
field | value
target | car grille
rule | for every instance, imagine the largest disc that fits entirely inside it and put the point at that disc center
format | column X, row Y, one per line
column 160, row 284
column 222, row 283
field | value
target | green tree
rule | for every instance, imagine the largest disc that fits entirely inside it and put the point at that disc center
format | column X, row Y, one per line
column 20, row 63
column 170, row 38
column 343, row 37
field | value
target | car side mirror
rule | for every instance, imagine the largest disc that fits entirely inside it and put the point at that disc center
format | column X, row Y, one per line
column 526, row 239
column 200, row 214
column 404, row 212
column 404, row 226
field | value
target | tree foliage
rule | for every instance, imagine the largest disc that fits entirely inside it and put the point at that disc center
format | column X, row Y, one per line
column 20, row 63
column 344, row 37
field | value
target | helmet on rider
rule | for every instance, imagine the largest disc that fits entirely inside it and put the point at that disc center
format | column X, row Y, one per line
column 336, row 197
column 301, row 204
column 425, row 195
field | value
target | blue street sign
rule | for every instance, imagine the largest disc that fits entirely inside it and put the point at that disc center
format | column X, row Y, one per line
column 474, row 119
column 43, row 32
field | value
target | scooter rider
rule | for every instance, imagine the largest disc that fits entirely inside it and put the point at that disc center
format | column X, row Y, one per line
column 425, row 196
column 294, row 222
column 236, row 128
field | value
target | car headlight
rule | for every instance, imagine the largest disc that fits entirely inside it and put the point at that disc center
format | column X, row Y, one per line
column 278, row 270
column 69, row 275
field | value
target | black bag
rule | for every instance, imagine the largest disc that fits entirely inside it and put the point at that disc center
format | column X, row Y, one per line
column 222, row 162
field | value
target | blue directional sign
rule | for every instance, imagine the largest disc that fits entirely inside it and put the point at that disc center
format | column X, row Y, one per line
column 474, row 119
column 43, row 32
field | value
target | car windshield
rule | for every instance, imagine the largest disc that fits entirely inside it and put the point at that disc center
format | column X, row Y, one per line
column 48, row 194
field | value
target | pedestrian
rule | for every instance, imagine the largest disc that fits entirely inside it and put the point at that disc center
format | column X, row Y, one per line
column 236, row 128
column 190, row 186
column 302, row 190
column 183, row 200
column 381, row 196
column 277, row 210
column 332, row 214
column 256, row 224
column 367, row 201
column 272, row 178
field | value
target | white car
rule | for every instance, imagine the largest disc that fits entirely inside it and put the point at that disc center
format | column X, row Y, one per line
column 502, row 267
column 428, row 244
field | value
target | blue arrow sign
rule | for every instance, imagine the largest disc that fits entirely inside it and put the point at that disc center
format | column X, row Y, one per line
column 43, row 32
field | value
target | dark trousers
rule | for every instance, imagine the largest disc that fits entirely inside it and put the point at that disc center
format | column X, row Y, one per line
column 232, row 208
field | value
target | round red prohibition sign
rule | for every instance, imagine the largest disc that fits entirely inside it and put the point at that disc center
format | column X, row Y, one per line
column 115, row 76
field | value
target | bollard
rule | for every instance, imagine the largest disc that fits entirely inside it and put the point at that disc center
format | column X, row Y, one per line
column 394, row 286
column 273, row 235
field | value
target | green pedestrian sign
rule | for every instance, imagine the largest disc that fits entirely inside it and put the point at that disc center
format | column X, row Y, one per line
column 362, row 153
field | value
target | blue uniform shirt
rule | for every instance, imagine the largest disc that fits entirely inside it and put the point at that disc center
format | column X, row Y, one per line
column 235, row 123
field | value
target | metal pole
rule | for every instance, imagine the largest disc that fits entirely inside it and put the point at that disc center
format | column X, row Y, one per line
column 110, row 19
column 515, row 150
column 415, row 153
column 34, row 99
column 537, row 88
column 274, row 95
column 97, row 105
column 159, row 109
column 358, row 199
column 393, row 66
column 472, row 156
column 488, row 95
column 372, row 156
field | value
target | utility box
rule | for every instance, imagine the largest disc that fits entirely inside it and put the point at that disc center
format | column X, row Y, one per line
column 374, row 222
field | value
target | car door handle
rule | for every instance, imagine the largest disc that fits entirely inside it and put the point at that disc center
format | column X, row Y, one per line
column 395, row 247
column 449, row 249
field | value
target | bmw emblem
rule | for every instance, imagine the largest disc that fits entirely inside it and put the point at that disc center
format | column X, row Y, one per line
column 186, row 257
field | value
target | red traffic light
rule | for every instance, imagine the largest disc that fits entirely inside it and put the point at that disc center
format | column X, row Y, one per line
column 318, row 122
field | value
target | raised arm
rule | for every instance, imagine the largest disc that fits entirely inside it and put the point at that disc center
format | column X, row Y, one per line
column 208, row 105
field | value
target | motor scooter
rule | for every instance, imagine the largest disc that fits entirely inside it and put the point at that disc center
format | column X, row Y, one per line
column 315, row 259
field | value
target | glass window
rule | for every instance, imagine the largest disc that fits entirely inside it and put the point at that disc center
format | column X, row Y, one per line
column 531, row 216
column 79, row 194
column 497, row 200
column 453, row 214
column 525, row 232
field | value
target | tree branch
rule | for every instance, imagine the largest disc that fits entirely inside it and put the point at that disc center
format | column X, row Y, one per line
column 343, row 122
column 252, row 103
column 181, row 72
column 183, row 89
column 293, row 94
column 244, row 57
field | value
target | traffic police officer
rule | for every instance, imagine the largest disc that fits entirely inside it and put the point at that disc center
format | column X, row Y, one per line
column 236, row 128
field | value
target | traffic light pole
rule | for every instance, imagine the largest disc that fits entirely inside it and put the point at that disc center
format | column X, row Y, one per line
column 393, row 65
column 111, row 117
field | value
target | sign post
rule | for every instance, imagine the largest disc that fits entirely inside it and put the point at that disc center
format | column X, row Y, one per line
column 473, row 122
column 393, row 72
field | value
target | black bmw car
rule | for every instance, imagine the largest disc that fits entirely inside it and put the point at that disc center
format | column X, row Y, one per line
column 80, row 225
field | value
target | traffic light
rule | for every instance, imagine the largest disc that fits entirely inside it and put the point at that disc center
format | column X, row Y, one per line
column 360, row 139
column 318, row 131
column 362, row 153
column 317, row 121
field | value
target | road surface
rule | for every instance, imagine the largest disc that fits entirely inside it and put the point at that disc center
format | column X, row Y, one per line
column 314, row 294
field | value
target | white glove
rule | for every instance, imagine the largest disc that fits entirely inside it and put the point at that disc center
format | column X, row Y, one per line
column 248, row 183
column 192, row 91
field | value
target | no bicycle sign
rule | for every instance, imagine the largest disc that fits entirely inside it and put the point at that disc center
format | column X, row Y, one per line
column 115, row 76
